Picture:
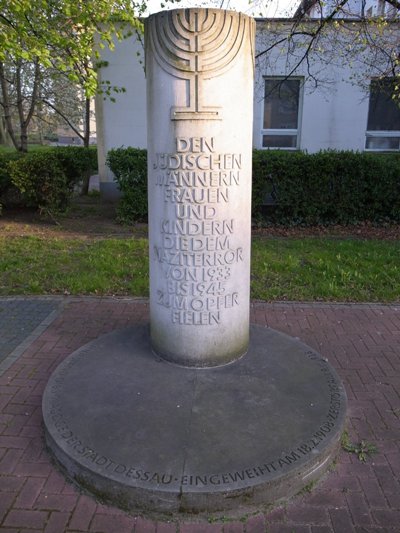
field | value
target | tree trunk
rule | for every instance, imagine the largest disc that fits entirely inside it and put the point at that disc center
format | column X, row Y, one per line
column 23, row 144
column 86, row 139
column 20, row 144
column 4, row 136
column 7, row 107
column 24, row 138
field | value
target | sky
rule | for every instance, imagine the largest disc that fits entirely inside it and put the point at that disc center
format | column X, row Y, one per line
column 257, row 8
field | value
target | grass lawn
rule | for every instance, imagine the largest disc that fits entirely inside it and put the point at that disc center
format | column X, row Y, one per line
column 317, row 269
column 308, row 269
column 35, row 265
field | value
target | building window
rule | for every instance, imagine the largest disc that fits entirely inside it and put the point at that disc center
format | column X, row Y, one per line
column 383, row 127
column 281, row 113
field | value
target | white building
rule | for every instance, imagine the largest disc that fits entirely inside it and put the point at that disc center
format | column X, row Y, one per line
column 331, row 100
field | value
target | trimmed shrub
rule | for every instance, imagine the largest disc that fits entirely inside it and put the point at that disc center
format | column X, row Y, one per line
column 42, row 181
column 327, row 187
column 9, row 194
column 79, row 163
column 330, row 187
column 129, row 165
column 45, row 178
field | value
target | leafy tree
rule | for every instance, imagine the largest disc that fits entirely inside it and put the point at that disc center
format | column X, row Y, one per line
column 62, row 33
column 64, row 36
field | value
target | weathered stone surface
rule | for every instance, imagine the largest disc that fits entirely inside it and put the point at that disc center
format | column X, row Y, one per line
column 199, row 69
column 148, row 434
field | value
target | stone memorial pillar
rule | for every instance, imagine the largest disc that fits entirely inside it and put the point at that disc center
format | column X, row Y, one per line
column 199, row 68
column 254, row 432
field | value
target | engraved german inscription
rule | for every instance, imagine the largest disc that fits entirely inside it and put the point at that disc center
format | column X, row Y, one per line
column 199, row 311
column 197, row 245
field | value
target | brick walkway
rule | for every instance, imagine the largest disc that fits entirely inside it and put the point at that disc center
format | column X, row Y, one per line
column 361, row 341
column 19, row 320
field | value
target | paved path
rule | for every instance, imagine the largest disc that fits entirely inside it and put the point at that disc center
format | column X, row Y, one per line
column 21, row 321
column 361, row 341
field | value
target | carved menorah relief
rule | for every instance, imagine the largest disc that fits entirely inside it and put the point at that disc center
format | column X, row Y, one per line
column 196, row 45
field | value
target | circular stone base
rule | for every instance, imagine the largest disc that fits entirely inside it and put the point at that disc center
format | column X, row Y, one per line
column 149, row 435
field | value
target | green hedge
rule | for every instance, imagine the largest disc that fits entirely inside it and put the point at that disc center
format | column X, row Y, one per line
column 324, row 188
column 42, row 182
column 9, row 194
column 327, row 187
column 46, row 178
column 79, row 163
column 129, row 165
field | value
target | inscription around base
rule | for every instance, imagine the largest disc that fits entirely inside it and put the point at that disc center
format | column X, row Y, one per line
column 88, row 455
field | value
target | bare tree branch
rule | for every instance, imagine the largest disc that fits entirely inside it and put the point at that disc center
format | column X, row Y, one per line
column 394, row 3
column 35, row 92
column 7, row 21
column 18, row 85
column 64, row 117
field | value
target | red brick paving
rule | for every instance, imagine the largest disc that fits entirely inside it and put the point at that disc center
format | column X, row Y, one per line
column 361, row 341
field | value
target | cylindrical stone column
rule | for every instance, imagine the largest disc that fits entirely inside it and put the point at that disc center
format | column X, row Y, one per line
column 199, row 68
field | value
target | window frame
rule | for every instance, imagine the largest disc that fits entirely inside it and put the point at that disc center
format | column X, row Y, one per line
column 379, row 133
column 382, row 133
column 283, row 132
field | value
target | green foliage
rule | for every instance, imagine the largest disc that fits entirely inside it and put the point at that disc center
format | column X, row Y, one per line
column 42, row 182
column 327, row 187
column 363, row 449
column 63, row 34
column 78, row 163
column 323, row 188
column 330, row 269
column 5, row 180
column 56, row 265
column 129, row 166
column 308, row 488
column 44, row 178
column 282, row 268
column 8, row 192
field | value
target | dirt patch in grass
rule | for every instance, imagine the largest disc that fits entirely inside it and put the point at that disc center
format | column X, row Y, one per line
column 90, row 217
column 365, row 230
